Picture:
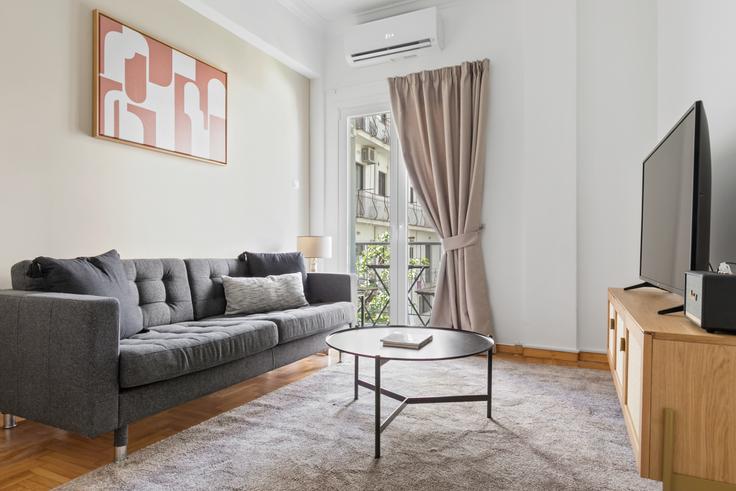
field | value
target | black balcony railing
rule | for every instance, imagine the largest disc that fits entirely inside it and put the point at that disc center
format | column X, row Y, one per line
column 377, row 207
column 416, row 216
column 372, row 206
column 376, row 125
column 373, row 281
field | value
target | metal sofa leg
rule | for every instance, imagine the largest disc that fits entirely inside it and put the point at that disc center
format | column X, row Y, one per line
column 121, row 443
column 9, row 421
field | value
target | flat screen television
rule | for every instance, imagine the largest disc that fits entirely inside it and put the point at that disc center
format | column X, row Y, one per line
column 675, row 212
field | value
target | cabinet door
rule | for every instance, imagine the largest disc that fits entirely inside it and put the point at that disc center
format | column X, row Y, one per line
column 620, row 351
column 634, row 378
column 696, row 380
column 611, row 335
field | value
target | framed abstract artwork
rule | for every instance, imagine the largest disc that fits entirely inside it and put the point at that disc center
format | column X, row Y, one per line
column 151, row 95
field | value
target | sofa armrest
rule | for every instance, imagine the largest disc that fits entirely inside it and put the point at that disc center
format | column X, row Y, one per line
column 332, row 287
column 59, row 359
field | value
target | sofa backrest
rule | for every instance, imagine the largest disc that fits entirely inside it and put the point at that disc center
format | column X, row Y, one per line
column 161, row 287
column 205, row 282
column 163, row 290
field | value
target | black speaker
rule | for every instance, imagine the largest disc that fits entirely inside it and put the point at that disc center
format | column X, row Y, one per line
column 710, row 300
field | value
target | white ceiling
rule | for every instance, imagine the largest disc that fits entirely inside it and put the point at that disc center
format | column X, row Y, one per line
column 332, row 10
column 327, row 11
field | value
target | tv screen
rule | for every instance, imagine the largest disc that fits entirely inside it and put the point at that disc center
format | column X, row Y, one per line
column 675, row 218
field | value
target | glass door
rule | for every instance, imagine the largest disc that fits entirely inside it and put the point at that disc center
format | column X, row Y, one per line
column 423, row 261
column 374, row 218
column 393, row 248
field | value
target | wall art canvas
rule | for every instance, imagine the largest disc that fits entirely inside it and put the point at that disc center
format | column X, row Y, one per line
column 152, row 95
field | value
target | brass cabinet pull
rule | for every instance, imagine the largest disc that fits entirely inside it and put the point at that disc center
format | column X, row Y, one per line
column 622, row 344
column 613, row 324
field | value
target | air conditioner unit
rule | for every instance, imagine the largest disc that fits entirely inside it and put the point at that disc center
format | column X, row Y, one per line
column 393, row 38
column 368, row 155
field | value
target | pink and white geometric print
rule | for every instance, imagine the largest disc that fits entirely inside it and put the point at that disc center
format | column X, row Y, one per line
column 153, row 95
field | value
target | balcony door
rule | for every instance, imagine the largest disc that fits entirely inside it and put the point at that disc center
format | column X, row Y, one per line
column 393, row 249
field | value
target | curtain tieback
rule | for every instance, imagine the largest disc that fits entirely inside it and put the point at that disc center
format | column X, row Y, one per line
column 461, row 241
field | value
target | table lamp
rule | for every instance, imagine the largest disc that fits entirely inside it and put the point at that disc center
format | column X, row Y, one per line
column 314, row 248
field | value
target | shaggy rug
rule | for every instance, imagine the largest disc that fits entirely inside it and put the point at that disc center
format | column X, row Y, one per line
column 555, row 428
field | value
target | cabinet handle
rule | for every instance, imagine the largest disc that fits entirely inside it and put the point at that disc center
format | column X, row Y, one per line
column 612, row 323
column 622, row 344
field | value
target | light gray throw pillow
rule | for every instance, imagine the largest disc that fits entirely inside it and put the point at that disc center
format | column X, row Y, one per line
column 251, row 295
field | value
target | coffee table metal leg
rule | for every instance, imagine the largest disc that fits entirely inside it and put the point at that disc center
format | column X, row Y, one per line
column 378, row 407
column 356, row 378
column 490, row 381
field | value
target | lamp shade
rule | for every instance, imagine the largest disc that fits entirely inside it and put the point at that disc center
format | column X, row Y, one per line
column 314, row 246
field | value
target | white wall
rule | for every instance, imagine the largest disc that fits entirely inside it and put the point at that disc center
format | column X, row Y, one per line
column 574, row 86
column 294, row 35
column 548, row 245
column 531, row 149
column 695, row 52
column 566, row 76
column 617, row 106
column 64, row 193
column 289, row 35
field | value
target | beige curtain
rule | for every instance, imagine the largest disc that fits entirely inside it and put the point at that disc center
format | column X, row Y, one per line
column 441, row 119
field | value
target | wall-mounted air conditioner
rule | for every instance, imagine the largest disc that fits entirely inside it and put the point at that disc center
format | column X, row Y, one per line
column 368, row 155
column 393, row 38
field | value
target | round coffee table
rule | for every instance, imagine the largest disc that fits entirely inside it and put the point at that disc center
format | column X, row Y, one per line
column 446, row 344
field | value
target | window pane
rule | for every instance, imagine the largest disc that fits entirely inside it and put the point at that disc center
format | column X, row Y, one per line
column 359, row 177
column 369, row 139
column 425, row 251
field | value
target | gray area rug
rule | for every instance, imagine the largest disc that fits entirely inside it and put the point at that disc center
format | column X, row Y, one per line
column 555, row 428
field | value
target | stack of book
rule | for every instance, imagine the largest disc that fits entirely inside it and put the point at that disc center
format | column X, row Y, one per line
column 399, row 339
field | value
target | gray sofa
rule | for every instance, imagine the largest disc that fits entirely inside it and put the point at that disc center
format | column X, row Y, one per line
column 62, row 362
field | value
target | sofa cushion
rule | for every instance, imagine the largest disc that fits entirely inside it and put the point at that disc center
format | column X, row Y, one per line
column 169, row 351
column 298, row 323
column 254, row 295
column 205, row 282
column 275, row 263
column 162, row 290
column 102, row 275
column 21, row 280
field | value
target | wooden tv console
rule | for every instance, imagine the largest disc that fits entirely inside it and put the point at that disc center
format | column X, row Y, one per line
column 677, row 387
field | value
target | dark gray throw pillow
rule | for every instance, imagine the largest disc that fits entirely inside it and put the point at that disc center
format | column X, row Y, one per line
column 276, row 263
column 102, row 275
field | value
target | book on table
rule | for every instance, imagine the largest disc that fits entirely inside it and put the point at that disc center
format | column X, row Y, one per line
column 406, row 340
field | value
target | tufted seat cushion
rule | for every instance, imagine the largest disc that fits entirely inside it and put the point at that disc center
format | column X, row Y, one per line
column 169, row 351
column 304, row 321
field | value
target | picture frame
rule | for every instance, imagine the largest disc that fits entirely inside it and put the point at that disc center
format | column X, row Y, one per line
column 149, row 94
